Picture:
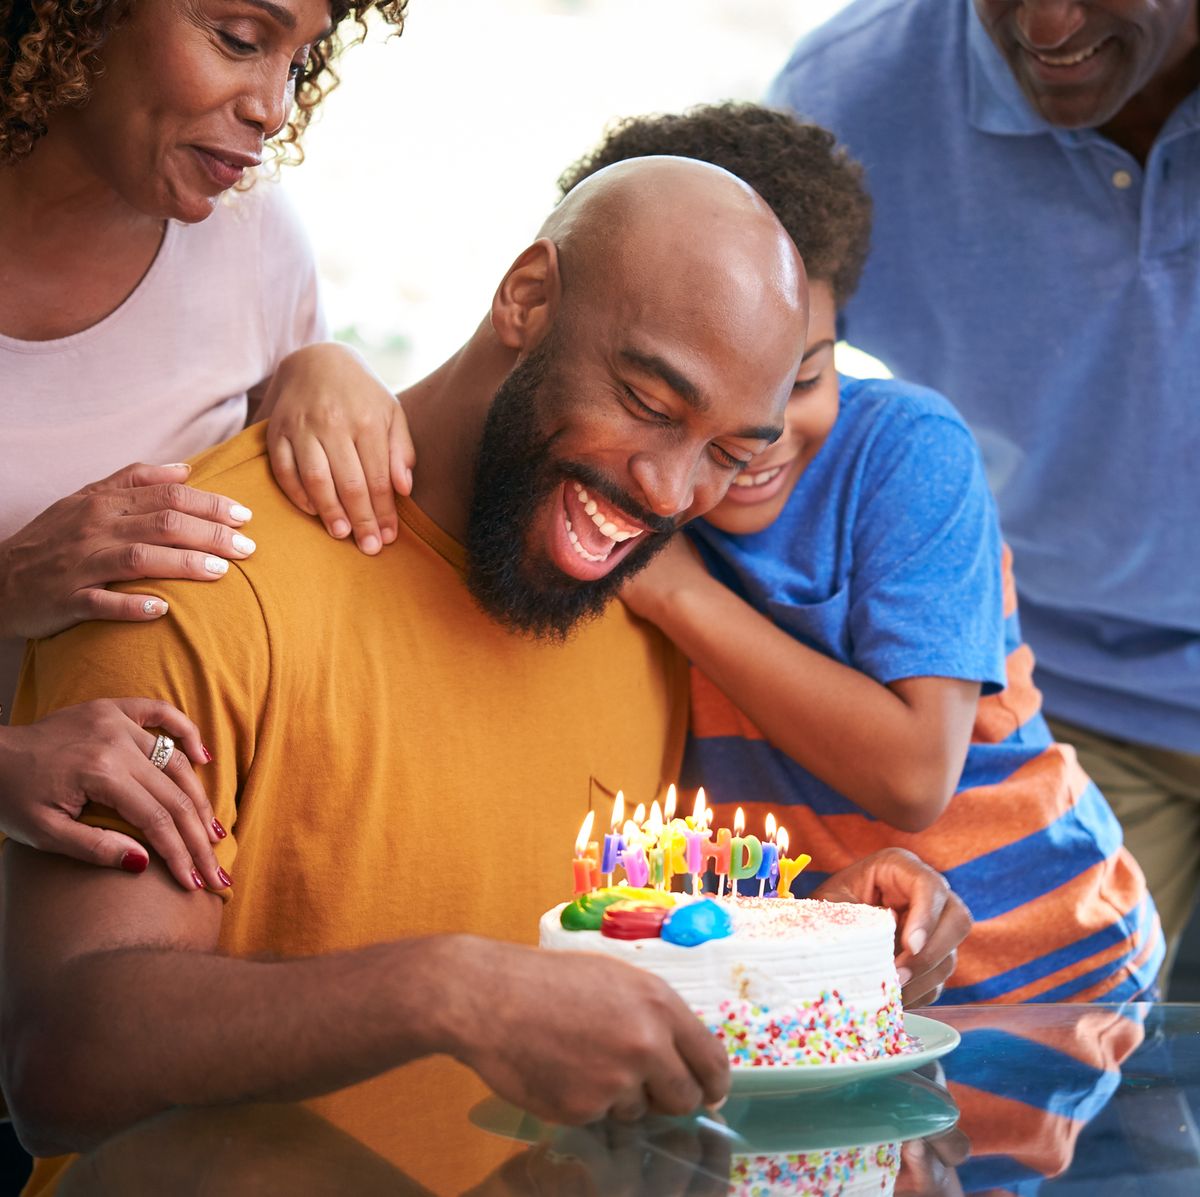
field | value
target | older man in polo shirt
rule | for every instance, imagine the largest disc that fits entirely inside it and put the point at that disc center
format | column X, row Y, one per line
column 1035, row 166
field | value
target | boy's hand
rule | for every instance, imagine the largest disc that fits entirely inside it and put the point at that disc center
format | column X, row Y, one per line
column 650, row 590
column 931, row 920
column 339, row 443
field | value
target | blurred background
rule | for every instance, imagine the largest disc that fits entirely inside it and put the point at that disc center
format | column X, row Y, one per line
column 432, row 165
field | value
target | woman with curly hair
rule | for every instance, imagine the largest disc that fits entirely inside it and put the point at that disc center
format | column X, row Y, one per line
column 148, row 295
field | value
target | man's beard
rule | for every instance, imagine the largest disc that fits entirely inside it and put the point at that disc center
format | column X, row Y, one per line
column 515, row 475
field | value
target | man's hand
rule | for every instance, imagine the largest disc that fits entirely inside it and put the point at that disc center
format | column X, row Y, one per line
column 573, row 1036
column 141, row 522
column 932, row 921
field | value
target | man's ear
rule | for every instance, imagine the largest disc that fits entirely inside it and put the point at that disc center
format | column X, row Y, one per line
column 526, row 302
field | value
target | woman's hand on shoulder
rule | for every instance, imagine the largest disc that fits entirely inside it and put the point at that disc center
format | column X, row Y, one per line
column 339, row 443
column 141, row 522
column 100, row 752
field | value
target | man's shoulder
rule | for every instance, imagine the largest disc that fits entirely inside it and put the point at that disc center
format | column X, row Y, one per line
column 894, row 47
column 240, row 469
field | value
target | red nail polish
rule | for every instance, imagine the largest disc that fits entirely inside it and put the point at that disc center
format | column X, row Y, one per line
column 225, row 877
column 134, row 862
column 207, row 755
column 221, row 832
column 197, row 879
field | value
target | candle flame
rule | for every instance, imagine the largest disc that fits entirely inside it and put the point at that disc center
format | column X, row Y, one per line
column 739, row 821
column 669, row 806
column 782, row 840
column 770, row 826
column 639, row 814
column 584, row 832
column 618, row 815
column 698, row 809
column 655, row 824
column 708, row 816
column 629, row 833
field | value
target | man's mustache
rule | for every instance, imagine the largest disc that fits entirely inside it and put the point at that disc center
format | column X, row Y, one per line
column 596, row 483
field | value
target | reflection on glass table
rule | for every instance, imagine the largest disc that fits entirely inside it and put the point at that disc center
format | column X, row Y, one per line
column 1094, row 1100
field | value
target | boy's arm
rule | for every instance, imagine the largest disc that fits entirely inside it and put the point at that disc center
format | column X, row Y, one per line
column 896, row 750
column 117, row 1006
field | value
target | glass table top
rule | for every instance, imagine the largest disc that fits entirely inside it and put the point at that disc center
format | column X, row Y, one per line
column 1095, row 1100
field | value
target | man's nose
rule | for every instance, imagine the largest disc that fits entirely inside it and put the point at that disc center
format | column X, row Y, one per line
column 1048, row 24
column 667, row 481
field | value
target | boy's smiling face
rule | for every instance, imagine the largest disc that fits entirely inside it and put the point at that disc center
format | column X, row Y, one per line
column 759, row 492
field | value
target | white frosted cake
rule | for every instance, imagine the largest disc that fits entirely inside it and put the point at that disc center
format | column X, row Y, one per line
column 781, row 982
column 849, row 1172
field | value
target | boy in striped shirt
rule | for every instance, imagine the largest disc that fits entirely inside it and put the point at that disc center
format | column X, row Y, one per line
column 850, row 614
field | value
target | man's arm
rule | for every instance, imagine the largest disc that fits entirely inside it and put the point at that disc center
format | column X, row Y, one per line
column 117, row 1006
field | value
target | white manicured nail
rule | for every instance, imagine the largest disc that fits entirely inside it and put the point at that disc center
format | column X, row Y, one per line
column 240, row 513
column 177, row 465
column 916, row 941
column 243, row 544
column 154, row 607
column 905, row 975
column 216, row 565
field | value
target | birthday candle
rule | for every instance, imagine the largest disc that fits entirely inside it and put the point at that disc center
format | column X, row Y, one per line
column 612, row 841
column 770, row 857
column 583, row 864
column 789, row 870
column 745, row 853
column 669, row 805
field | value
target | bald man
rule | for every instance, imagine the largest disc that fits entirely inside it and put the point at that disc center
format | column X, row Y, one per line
column 404, row 747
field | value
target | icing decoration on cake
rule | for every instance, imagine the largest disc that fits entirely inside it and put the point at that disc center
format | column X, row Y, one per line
column 633, row 920
column 697, row 923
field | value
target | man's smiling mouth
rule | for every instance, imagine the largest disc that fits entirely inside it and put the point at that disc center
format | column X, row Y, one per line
column 598, row 527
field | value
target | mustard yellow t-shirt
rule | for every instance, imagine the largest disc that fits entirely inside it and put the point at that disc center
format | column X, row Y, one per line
column 388, row 760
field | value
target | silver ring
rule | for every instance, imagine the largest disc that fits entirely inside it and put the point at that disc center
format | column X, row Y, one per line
column 160, row 754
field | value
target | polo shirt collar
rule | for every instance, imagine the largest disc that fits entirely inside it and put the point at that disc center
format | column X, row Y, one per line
column 995, row 102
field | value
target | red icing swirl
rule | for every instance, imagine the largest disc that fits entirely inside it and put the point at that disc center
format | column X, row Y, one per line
column 633, row 920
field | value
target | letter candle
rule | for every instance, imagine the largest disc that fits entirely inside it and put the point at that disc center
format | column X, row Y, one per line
column 721, row 857
column 585, row 862
column 613, row 843
column 745, row 854
column 789, row 870
column 694, row 840
column 770, row 857
column 654, row 830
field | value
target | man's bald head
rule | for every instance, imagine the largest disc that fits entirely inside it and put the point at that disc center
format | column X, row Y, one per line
column 681, row 221
column 656, row 327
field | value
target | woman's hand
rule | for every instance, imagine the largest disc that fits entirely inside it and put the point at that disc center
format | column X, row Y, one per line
column 141, row 522
column 672, row 569
column 339, row 443
column 100, row 752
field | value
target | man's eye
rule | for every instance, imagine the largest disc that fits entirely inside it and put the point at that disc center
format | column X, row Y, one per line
column 651, row 412
column 724, row 458
column 806, row 384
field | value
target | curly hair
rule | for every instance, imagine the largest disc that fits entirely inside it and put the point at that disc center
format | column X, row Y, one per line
column 814, row 187
column 50, row 56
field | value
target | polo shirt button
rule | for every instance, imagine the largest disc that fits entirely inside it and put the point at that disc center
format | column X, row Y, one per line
column 1122, row 180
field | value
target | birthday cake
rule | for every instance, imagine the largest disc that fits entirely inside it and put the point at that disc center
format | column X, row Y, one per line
column 846, row 1173
column 780, row 981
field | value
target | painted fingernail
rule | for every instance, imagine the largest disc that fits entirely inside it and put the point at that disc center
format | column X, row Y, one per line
column 370, row 544
column 208, row 756
column 154, row 607
column 916, row 941
column 240, row 513
column 134, row 862
column 197, row 880
column 226, row 880
column 243, row 544
column 216, row 565
column 340, row 529
column 905, row 975
column 177, row 465
column 220, row 831
column 388, row 534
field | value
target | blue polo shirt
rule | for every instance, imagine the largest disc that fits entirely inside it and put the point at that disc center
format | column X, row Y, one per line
column 1050, row 286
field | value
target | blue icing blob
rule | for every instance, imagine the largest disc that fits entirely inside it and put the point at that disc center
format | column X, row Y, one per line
column 695, row 923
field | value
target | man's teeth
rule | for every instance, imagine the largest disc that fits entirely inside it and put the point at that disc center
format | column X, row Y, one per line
column 574, row 539
column 601, row 520
column 758, row 479
column 1068, row 59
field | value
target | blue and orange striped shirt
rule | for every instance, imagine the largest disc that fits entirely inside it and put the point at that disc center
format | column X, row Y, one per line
column 870, row 562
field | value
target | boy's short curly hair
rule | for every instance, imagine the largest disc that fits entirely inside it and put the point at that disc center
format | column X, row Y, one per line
column 814, row 187
column 49, row 55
